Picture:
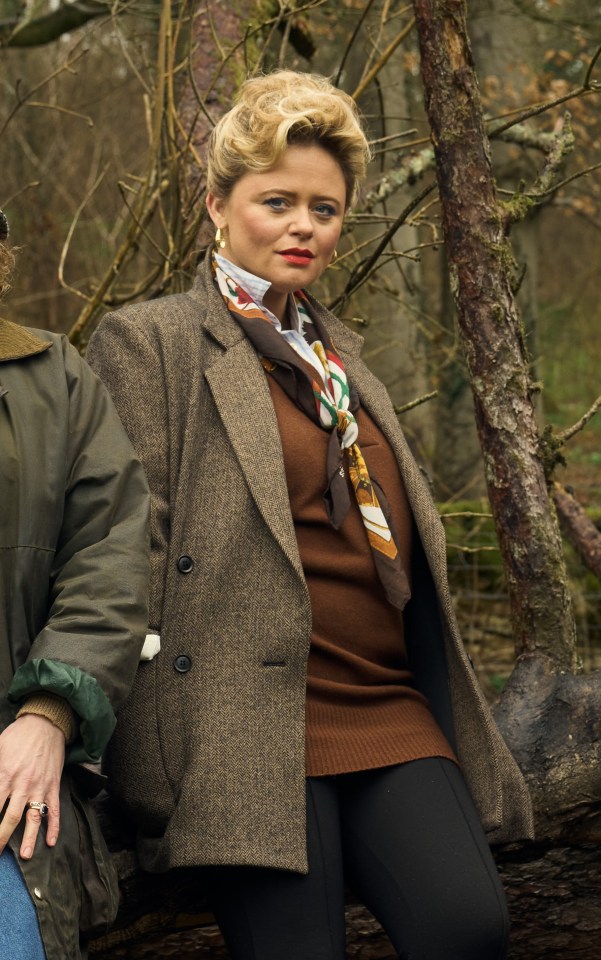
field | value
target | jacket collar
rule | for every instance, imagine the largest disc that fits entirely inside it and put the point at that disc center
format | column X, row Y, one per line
column 18, row 342
column 224, row 329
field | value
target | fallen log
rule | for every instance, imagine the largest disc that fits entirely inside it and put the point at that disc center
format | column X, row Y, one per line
column 554, row 897
column 553, row 887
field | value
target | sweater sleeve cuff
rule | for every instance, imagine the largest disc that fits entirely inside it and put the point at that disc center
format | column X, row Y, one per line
column 53, row 708
column 95, row 719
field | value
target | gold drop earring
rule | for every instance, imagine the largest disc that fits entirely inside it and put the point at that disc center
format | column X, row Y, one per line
column 219, row 238
column 333, row 258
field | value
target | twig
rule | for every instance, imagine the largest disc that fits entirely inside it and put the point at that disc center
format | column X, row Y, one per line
column 519, row 205
column 142, row 228
column 66, row 66
column 539, row 108
column 383, row 59
column 587, row 84
column 135, row 292
column 69, row 237
column 354, row 36
column 56, row 106
column 410, row 169
column 525, row 137
column 580, row 424
column 151, row 190
column 415, row 403
column 360, row 321
column 466, row 513
column 563, row 183
column 284, row 43
column 13, row 196
column 364, row 271
column 395, row 136
column 578, row 528
column 459, row 546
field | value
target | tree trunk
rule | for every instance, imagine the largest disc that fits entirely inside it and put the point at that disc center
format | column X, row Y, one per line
column 217, row 62
column 550, row 718
column 480, row 262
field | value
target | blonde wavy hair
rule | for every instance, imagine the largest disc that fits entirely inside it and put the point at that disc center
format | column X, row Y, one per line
column 284, row 109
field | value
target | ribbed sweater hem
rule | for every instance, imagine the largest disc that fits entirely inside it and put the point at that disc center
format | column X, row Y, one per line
column 357, row 766
column 343, row 740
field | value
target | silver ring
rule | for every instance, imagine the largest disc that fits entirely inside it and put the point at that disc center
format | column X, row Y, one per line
column 40, row 806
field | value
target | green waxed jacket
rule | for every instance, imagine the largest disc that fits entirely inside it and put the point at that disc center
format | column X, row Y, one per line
column 73, row 592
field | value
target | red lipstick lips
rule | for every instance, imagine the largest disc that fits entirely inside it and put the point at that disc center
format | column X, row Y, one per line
column 297, row 256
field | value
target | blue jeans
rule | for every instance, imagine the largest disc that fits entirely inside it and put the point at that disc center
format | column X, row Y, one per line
column 19, row 929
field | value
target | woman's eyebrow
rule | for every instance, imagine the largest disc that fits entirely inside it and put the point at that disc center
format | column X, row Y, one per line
column 293, row 193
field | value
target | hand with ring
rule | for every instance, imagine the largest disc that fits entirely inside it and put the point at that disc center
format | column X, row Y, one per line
column 32, row 754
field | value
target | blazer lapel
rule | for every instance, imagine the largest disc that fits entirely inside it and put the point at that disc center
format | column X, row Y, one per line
column 239, row 387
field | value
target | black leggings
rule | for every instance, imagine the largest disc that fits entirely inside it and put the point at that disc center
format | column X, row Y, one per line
column 408, row 842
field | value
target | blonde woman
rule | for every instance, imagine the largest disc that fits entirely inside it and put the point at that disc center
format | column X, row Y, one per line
column 310, row 718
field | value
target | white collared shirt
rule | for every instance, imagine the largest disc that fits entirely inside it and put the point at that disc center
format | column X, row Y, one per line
column 257, row 287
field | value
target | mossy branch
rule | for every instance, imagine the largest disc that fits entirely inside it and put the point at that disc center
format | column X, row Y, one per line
column 405, row 407
column 522, row 202
column 566, row 435
column 550, row 443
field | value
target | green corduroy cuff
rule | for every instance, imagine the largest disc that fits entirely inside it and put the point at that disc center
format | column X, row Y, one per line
column 83, row 693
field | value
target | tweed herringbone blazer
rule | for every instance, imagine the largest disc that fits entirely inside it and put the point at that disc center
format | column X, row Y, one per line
column 209, row 750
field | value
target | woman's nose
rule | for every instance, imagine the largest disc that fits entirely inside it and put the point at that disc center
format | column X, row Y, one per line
column 302, row 224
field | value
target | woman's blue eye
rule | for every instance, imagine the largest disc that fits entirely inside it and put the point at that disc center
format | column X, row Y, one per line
column 276, row 203
column 325, row 210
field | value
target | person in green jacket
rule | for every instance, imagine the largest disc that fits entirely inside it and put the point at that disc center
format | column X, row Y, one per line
column 73, row 612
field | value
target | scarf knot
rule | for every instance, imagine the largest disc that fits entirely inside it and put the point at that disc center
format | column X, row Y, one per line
column 347, row 429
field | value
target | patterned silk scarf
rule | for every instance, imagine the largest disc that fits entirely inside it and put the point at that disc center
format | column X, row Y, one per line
column 322, row 391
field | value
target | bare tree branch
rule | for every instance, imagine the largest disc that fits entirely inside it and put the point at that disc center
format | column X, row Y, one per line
column 578, row 528
column 566, row 435
column 415, row 403
column 364, row 270
column 383, row 59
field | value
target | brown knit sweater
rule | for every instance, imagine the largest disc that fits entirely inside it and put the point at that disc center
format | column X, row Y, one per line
column 362, row 708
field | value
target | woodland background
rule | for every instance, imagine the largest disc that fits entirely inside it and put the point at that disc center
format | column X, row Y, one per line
column 104, row 111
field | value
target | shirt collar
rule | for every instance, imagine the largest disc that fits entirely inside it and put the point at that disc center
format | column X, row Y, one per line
column 257, row 287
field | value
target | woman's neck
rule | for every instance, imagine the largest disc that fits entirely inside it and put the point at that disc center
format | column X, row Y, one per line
column 277, row 303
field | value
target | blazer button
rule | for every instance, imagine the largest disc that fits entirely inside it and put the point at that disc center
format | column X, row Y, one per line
column 185, row 564
column 182, row 663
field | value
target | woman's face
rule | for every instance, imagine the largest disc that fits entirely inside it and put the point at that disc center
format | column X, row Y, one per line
column 283, row 224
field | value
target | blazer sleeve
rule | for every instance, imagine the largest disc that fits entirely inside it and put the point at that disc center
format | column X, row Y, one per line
column 131, row 365
column 88, row 649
